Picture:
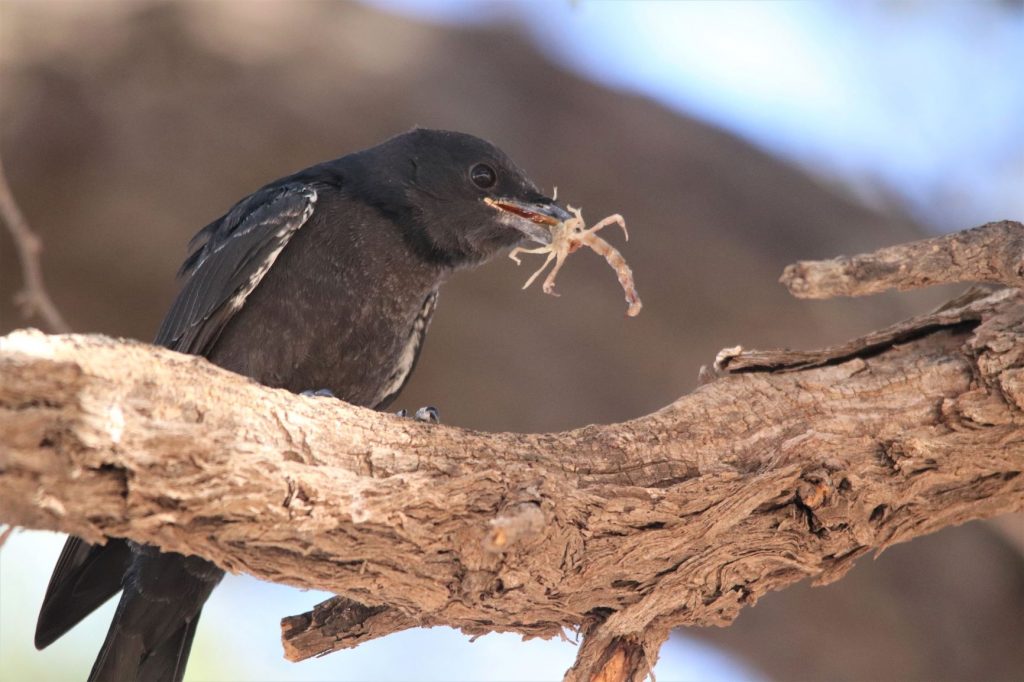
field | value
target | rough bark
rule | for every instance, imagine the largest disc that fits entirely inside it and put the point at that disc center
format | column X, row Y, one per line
column 784, row 465
column 991, row 253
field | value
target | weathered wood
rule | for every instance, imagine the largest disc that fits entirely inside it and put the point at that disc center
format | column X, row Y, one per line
column 992, row 253
column 783, row 466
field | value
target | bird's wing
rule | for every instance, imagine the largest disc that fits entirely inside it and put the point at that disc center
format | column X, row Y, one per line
column 410, row 354
column 230, row 256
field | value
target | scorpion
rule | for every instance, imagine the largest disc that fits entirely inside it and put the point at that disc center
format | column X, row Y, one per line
column 566, row 238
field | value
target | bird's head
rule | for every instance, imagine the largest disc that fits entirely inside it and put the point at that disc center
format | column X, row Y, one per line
column 461, row 198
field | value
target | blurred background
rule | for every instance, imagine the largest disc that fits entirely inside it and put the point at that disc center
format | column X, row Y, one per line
column 735, row 138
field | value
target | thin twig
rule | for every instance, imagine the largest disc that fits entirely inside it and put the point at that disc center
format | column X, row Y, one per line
column 4, row 534
column 33, row 299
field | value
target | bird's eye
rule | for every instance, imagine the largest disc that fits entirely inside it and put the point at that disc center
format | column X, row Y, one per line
column 483, row 176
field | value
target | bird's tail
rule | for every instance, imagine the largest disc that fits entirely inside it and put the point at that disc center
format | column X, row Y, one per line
column 151, row 634
column 126, row 657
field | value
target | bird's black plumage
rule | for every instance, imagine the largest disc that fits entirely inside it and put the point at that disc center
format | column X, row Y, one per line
column 325, row 279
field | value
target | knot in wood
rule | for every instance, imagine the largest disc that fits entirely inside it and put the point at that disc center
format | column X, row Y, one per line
column 814, row 492
column 517, row 523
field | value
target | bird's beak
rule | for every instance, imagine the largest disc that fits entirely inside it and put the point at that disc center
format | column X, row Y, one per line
column 531, row 218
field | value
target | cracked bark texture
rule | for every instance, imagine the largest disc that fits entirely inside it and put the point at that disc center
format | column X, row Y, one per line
column 783, row 466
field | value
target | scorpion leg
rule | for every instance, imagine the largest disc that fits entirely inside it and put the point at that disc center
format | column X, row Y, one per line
column 539, row 270
column 514, row 253
column 549, row 282
column 612, row 219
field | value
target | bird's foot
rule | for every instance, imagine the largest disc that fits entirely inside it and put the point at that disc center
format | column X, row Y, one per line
column 427, row 414
column 319, row 393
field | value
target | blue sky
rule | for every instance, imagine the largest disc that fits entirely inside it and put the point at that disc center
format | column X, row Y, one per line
column 917, row 103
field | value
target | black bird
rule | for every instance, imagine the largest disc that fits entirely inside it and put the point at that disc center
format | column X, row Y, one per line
column 325, row 279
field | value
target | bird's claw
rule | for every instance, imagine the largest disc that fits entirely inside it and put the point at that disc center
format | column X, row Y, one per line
column 428, row 415
column 320, row 392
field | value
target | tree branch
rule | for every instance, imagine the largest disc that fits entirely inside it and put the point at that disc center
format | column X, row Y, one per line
column 784, row 465
column 991, row 253
column 33, row 299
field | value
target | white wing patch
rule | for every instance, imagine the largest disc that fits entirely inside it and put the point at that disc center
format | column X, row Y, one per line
column 282, row 238
column 408, row 356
